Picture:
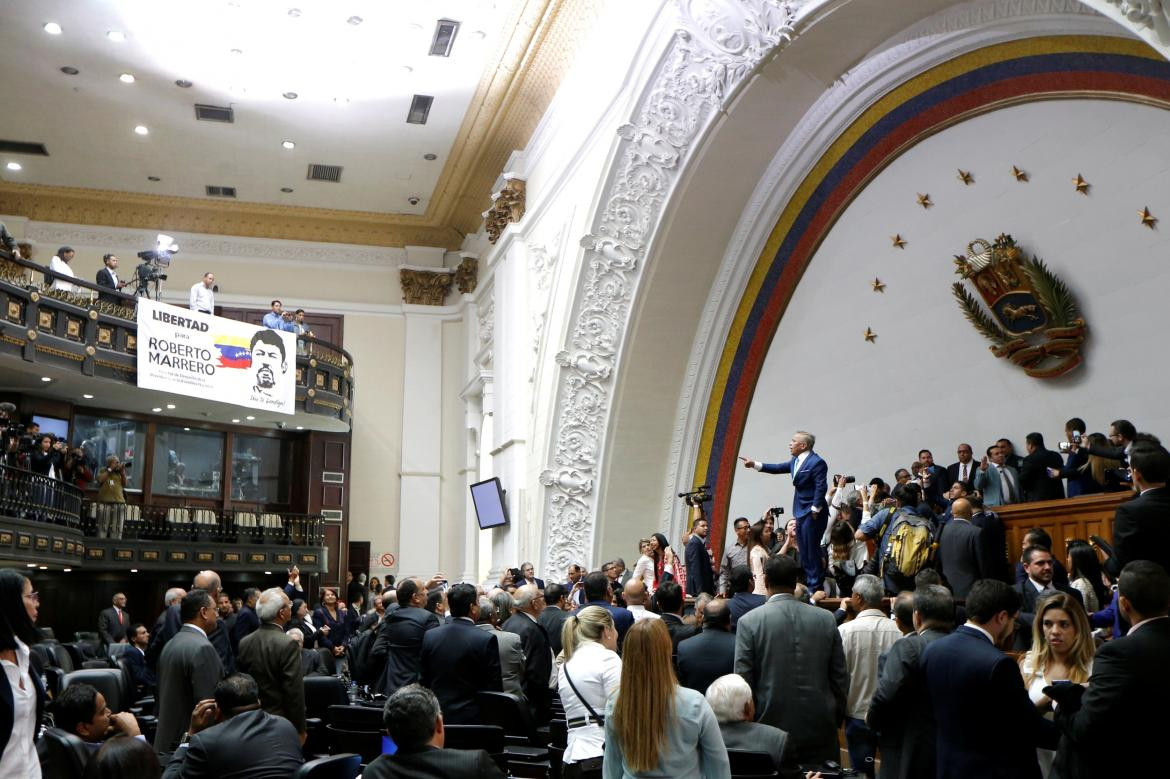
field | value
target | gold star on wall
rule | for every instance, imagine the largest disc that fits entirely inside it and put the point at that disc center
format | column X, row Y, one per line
column 925, row 201
column 1148, row 219
column 1081, row 185
column 878, row 285
column 1020, row 175
column 966, row 177
column 870, row 336
column 898, row 241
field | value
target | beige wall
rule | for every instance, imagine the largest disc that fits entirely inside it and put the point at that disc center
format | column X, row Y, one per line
column 453, row 490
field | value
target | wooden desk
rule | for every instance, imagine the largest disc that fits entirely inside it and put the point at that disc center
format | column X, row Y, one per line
column 1063, row 519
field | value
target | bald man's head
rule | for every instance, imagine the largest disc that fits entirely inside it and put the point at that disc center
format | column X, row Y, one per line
column 635, row 592
column 207, row 580
column 961, row 508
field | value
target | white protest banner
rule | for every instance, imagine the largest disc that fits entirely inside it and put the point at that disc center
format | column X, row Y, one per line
column 205, row 356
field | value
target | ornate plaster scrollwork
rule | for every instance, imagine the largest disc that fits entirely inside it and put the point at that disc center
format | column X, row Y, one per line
column 541, row 263
column 507, row 207
column 487, row 330
column 1150, row 19
column 721, row 44
column 428, row 288
column 467, row 275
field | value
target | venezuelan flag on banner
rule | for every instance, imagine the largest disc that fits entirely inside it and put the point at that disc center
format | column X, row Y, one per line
column 233, row 351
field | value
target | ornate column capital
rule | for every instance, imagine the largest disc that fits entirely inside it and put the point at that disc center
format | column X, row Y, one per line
column 425, row 287
column 507, row 207
column 467, row 275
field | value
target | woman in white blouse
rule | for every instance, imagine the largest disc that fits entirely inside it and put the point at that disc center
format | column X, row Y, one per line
column 60, row 264
column 757, row 557
column 644, row 568
column 22, row 698
column 589, row 676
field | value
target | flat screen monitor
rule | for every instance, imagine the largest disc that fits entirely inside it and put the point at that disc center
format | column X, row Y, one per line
column 58, row 427
column 488, row 498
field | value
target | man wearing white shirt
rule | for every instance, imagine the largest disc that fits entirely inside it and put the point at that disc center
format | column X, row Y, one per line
column 635, row 594
column 202, row 296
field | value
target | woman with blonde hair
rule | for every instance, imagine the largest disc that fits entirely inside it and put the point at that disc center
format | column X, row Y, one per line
column 590, row 674
column 654, row 727
column 1062, row 649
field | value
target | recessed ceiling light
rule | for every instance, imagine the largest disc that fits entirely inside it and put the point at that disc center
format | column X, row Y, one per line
column 236, row 51
column 286, row 190
column 133, row 570
column 355, row 20
column 43, row 567
column 479, row 34
column 183, row 83
column 14, row 166
column 46, row 378
column 69, row 70
column 187, row 429
column 300, row 427
column 67, row 570
column 156, row 409
column 430, row 157
column 171, row 406
column 153, row 178
column 288, row 144
column 235, row 420
column 87, row 396
column 52, row 28
column 249, row 417
column 126, row 78
column 290, row 95
column 30, row 565
column 117, row 36
column 141, row 129
column 294, row 12
column 341, row 100
column 406, row 68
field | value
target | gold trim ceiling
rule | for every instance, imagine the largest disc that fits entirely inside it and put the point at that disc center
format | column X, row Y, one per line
column 510, row 99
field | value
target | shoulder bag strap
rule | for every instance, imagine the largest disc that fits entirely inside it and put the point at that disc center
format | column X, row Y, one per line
column 569, row 679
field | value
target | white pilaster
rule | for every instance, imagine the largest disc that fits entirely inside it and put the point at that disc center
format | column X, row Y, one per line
column 419, row 535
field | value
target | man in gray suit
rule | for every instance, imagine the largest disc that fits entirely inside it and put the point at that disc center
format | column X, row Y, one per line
column 996, row 480
column 489, row 615
column 188, row 670
column 274, row 660
column 791, row 656
column 731, row 700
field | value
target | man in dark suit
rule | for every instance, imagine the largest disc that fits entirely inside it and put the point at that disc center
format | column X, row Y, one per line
column 730, row 699
column 170, row 621
column 246, row 620
column 1122, row 435
column 108, row 277
column 706, row 656
column 1113, row 728
column 189, row 668
column 900, row 710
column 597, row 592
column 1040, row 584
column 311, row 663
column 1038, row 536
column 791, row 655
column 528, row 576
column 459, row 661
column 1035, row 480
column 934, row 482
column 233, row 738
column 964, row 469
column 135, row 657
column 986, row 724
column 538, row 656
column 810, row 483
column 740, row 583
column 398, row 642
column 1141, row 527
column 1010, row 458
column 670, row 605
column 556, row 611
column 274, row 660
column 112, row 622
column 413, row 720
column 962, row 550
column 994, row 537
column 700, row 573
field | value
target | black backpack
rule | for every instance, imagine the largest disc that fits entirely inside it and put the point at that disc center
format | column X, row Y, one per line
column 359, row 657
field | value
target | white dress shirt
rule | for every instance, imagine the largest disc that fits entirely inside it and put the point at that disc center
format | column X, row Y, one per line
column 202, row 298
column 644, row 570
column 864, row 639
column 597, row 674
column 640, row 613
column 59, row 265
column 20, row 756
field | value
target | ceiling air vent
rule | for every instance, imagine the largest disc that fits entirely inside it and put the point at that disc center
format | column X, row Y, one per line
column 444, row 38
column 319, row 172
column 23, row 147
column 214, row 113
column 420, row 109
column 220, row 191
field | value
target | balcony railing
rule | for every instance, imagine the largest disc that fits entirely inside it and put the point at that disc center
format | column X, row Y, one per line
column 121, row 521
column 43, row 499
column 94, row 332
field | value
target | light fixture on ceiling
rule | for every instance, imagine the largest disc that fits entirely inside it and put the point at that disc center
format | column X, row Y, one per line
column 133, row 570
column 288, row 144
column 87, row 396
column 237, row 51
column 171, row 406
column 294, row 12
column 354, row 20
column 46, row 378
column 43, row 567
column 300, row 427
column 127, row 78
column 67, row 570
column 183, row 83
column 268, row 573
column 290, row 95
column 407, row 69
column 153, row 178
column 141, row 129
column 420, row 109
column 157, row 409
column 444, row 38
column 286, row 190
column 480, row 34
column 187, row 429
column 236, row 421
column 30, row 565
column 14, row 166
column 341, row 100
column 69, row 70
column 249, row 417
column 52, row 28
column 430, row 157
column 117, row 36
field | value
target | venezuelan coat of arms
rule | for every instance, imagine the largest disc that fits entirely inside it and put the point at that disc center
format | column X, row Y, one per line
column 1023, row 308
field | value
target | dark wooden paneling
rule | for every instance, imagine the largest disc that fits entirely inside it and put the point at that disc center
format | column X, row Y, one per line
column 335, row 455
column 327, row 327
column 333, row 542
column 327, row 450
column 332, row 496
column 359, row 558
column 1061, row 519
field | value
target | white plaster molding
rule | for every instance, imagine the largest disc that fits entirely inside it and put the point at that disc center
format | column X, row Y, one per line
column 116, row 239
column 931, row 41
column 1148, row 19
column 720, row 46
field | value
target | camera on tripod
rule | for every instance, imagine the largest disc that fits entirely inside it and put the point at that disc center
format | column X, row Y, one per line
column 152, row 269
column 697, row 497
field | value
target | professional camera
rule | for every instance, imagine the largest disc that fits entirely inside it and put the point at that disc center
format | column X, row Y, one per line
column 776, row 511
column 151, row 271
column 697, row 497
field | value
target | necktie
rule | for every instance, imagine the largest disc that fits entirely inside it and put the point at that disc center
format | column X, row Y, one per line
column 963, row 472
column 119, row 616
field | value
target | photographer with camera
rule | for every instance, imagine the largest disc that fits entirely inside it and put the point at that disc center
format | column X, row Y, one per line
column 47, row 456
column 76, row 469
column 111, row 501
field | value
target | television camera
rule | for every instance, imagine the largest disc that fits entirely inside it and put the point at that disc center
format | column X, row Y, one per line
column 697, row 497
column 151, row 272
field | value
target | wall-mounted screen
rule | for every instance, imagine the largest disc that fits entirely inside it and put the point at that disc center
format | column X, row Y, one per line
column 488, row 498
column 58, row 427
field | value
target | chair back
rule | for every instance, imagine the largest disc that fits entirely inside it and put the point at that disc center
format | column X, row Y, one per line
column 62, row 755
column 360, row 718
column 506, row 710
column 76, row 655
column 321, row 692
column 115, row 651
column 747, row 763
column 107, row 681
column 365, row 743
column 489, row 738
column 345, row 766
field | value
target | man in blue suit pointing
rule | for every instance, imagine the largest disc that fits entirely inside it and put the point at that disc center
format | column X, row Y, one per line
column 811, row 483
